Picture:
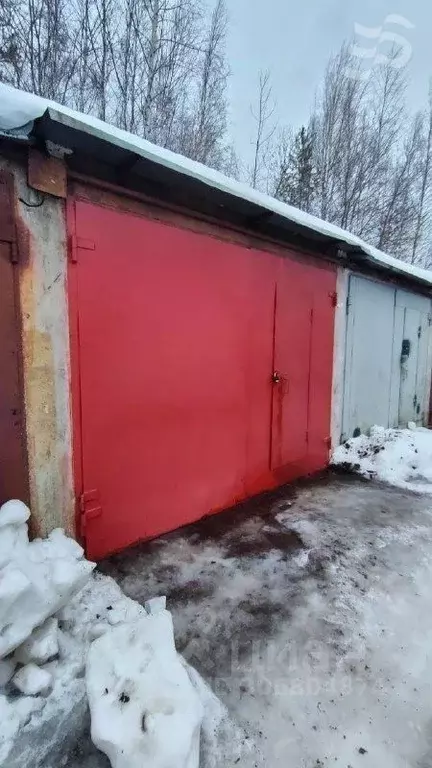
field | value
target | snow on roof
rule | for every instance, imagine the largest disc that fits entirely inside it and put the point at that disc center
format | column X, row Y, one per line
column 18, row 108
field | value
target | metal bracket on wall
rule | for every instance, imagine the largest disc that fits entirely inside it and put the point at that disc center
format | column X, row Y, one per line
column 90, row 508
column 82, row 243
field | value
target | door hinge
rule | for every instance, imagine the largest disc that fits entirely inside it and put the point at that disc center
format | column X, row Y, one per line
column 419, row 332
column 83, row 243
column 333, row 298
column 90, row 508
column 328, row 442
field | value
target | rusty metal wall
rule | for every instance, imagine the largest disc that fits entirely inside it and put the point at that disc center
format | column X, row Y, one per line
column 13, row 455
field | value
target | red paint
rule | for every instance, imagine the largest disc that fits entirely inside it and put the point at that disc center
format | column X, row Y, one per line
column 175, row 336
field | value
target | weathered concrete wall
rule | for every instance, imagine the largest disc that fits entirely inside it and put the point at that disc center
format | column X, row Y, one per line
column 42, row 244
column 339, row 356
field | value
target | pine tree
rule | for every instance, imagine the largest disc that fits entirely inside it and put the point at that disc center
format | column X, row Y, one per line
column 296, row 176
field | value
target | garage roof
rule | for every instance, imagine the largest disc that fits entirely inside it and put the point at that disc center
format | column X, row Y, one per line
column 26, row 117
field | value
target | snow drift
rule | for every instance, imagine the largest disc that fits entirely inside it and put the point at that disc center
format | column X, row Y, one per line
column 401, row 457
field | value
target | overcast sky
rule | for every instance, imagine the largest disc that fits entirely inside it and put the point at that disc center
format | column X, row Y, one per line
column 294, row 41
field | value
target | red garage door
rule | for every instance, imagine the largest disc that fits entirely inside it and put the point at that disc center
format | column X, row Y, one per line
column 176, row 337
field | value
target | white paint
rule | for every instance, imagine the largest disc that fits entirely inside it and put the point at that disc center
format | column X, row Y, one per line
column 414, row 314
column 380, row 387
column 369, row 350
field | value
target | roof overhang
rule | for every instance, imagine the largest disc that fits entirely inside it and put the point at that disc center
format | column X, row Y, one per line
column 97, row 150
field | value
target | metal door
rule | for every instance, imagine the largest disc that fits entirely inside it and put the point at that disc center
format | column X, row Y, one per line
column 411, row 349
column 368, row 359
column 292, row 368
column 168, row 322
column 175, row 336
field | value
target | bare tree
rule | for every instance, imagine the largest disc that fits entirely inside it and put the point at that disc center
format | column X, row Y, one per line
column 11, row 56
column 341, row 140
column 155, row 67
column 211, row 112
column 397, row 223
column 422, row 222
column 38, row 46
column 262, row 114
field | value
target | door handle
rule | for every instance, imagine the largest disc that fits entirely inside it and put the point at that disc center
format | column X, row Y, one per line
column 276, row 377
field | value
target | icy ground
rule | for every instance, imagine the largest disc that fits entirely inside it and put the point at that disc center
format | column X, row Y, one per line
column 402, row 457
column 310, row 616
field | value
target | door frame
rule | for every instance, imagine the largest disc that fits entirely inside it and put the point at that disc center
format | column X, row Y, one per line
column 75, row 373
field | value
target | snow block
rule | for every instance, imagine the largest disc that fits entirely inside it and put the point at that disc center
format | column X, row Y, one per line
column 41, row 646
column 32, row 680
column 13, row 512
column 155, row 605
column 144, row 709
column 36, row 579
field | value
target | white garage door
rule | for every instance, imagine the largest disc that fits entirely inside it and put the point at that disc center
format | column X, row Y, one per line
column 386, row 357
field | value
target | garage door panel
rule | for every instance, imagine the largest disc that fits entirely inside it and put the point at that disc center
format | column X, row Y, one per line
column 165, row 332
column 369, row 344
column 293, row 329
column 176, row 352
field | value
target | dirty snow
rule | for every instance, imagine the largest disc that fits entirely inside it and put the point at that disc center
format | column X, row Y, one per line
column 310, row 619
column 55, row 615
column 402, row 457
column 139, row 692
column 18, row 108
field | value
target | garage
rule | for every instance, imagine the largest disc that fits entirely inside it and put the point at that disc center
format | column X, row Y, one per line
column 387, row 357
column 176, row 342
column 202, row 372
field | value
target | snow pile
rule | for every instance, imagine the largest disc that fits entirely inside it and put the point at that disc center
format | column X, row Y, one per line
column 140, row 693
column 402, row 457
column 36, row 579
column 148, row 705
